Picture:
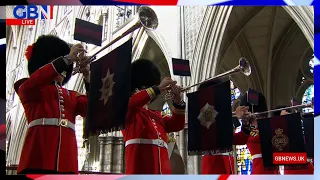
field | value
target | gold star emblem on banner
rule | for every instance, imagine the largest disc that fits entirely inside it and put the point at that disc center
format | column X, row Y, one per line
column 107, row 85
column 207, row 115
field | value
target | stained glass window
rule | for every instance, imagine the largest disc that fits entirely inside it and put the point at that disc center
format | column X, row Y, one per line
column 311, row 64
column 307, row 98
column 303, row 79
column 244, row 159
column 166, row 110
column 235, row 92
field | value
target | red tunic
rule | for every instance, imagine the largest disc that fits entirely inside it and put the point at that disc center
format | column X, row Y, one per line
column 49, row 147
column 2, row 131
column 257, row 163
column 222, row 164
column 308, row 170
column 146, row 124
column 3, row 137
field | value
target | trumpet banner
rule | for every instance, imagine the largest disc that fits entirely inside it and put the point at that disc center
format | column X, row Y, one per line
column 109, row 93
column 280, row 134
column 210, row 123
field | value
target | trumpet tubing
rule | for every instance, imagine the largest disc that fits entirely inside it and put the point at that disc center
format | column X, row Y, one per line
column 243, row 67
column 145, row 18
column 281, row 109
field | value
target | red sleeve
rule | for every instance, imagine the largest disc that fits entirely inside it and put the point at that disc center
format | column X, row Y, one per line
column 81, row 106
column 2, row 131
column 255, row 138
column 143, row 97
column 240, row 138
column 177, row 121
column 43, row 76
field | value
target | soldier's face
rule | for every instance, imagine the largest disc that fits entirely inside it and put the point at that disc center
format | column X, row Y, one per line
column 254, row 123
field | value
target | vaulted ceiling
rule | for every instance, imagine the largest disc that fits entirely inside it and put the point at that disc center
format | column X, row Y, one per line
column 270, row 40
column 275, row 47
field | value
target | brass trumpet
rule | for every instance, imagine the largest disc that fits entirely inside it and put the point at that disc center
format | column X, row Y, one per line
column 243, row 67
column 145, row 18
column 301, row 106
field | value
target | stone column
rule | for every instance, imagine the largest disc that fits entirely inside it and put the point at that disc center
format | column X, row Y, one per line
column 104, row 25
column 182, row 148
column 118, row 154
column 106, row 146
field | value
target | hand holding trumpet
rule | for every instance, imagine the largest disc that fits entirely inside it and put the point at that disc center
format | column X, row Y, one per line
column 76, row 51
column 171, row 86
column 77, row 55
column 176, row 91
column 243, row 114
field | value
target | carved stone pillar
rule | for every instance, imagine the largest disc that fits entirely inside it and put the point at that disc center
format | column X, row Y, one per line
column 182, row 148
column 104, row 25
column 111, row 154
column 118, row 154
column 106, row 146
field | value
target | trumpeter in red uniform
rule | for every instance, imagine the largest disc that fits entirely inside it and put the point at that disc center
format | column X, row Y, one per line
column 223, row 163
column 145, row 130
column 253, row 143
column 308, row 169
column 50, row 144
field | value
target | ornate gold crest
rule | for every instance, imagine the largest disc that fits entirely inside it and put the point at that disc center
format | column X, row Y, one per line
column 171, row 137
column 207, row 115
column 107, row 85
column 280, row 140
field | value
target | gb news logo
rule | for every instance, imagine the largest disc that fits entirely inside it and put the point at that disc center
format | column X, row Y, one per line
column 27, row 15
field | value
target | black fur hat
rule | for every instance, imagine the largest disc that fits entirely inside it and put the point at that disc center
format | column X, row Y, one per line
column 46, row 49
column 144, row 74
column 262, row 104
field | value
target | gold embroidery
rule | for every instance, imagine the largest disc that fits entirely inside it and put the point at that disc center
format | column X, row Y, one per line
column 107, row 87
column 207, row 115
column 151, row 93
column 253, row 133
column 171, row 138
column 280, row 140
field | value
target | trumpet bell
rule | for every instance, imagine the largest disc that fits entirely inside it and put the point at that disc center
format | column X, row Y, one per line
column 245, row 67
column 148, row 18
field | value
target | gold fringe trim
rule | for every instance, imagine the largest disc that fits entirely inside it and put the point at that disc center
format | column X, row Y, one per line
column 97, row 132
column 210, row 152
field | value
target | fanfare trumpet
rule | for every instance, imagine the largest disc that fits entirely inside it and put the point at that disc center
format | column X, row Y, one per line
column 145, row 18
column 243, row 67
column 301, row 106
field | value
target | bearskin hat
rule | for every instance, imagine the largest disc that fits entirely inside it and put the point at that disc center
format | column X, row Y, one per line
column 46, row 49
column 213, row 82
column 144, row 74
column 262, row 104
